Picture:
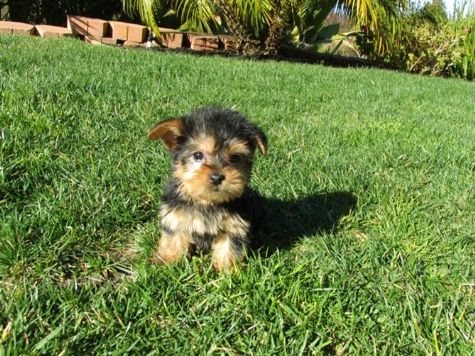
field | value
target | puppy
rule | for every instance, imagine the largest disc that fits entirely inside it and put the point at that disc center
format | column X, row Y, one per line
column 208, row 205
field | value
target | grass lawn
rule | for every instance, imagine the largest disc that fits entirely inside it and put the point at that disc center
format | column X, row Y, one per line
column 369, row 182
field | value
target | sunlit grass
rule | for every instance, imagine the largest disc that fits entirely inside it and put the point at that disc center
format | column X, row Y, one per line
column 369, row 184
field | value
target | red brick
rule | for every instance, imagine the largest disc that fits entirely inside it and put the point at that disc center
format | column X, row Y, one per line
column 137, row 33
column 52, row 31
column 78, row 25
column 128, row 32
column 119, row 30
column 171, row 38
column 204, row 43
column 97, row 27
column 109, row 40
column 16, row 28
column 86, row 26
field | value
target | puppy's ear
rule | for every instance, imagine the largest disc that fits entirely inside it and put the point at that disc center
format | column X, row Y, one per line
column 169, row 131
column 261, row 140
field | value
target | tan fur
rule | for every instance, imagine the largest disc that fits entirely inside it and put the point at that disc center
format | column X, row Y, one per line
column 200, row 178
column 224, row 258
column 234, row 225
column 184, row 222
column 237, row 147
column 206, row 144
column 196, row 183
column 261, row 146
column 189, row 221
column 172, row 247
column 235, row 181
column 168, row 131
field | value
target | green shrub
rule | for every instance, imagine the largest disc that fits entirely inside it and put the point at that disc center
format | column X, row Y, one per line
column 467, row 64
column 445, row 48
column 433, row 51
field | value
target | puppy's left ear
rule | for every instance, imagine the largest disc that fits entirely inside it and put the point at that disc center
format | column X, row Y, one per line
column 261, row 140
column 169, row 131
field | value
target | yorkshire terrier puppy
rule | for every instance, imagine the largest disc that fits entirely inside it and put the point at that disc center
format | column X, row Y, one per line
column 208, row 204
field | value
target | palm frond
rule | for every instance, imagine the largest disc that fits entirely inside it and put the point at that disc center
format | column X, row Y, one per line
column 146, row 11
column 255, row 13
column 379, row 16
column 200, row 14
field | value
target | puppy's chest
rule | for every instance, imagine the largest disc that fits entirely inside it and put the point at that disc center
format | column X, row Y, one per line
column 203, row 222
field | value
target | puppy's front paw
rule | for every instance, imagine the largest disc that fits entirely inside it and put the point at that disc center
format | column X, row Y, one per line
column 171, row 248
column 227, row 254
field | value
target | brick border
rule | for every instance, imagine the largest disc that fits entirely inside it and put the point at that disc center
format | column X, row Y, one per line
column 97, row 31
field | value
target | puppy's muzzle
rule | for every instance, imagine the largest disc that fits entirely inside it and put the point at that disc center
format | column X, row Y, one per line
column 216, row 178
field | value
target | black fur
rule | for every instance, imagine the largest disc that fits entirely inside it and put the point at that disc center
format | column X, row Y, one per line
column 224, row 124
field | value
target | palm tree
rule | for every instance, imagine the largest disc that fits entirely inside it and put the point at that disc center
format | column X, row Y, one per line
column 260, row 26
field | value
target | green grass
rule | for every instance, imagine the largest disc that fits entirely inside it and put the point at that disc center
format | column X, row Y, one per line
column 369, row 181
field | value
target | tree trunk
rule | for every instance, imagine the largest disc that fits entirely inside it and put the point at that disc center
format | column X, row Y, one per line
column 245, row 44
column 279, row 22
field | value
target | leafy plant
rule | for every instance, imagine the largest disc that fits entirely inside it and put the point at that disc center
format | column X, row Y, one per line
column 426, row 46
column 433, row 51
column 147, row 11
column 3, row 9
column 261, row 26
column 467, row 65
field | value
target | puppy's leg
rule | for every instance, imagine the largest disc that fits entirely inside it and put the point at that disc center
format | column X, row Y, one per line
column 228, row 252
column 172, row 247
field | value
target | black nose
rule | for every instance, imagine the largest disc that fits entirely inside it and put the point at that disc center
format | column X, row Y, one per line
column 216, row 178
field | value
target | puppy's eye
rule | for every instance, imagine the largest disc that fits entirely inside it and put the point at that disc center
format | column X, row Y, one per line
column 235, row 158
column 198, row 156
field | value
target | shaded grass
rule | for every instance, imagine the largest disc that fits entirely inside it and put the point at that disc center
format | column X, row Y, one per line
column 369, row 182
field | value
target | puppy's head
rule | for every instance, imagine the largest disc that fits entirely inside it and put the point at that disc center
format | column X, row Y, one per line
column 213, row 151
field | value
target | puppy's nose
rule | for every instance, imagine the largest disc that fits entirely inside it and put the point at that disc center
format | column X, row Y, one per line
column 216, row 178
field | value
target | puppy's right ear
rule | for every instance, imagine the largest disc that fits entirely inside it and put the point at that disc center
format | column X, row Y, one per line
column 169, row 131
column 261, row 140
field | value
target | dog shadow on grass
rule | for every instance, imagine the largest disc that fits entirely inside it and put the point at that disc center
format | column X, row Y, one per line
column 286, row 222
